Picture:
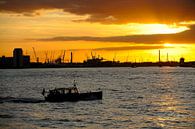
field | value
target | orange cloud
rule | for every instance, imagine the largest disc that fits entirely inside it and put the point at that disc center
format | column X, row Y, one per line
column 111, row 11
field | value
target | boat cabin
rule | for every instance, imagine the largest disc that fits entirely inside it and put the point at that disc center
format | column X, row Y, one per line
column 70, row 90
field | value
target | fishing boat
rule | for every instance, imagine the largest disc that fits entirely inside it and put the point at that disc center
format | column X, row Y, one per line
column 70, row 94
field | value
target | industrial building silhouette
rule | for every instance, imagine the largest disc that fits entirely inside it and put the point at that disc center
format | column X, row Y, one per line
column 17, row 61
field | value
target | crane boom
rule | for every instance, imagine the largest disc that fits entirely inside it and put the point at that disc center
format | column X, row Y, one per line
column 34, row 53
column 63, row 56
column 36, row 58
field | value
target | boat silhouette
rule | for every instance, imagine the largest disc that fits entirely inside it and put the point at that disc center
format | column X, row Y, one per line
column 70, row 94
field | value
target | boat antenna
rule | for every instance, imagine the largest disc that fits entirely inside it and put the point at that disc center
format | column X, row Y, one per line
column 43, row 92
column 74, row 83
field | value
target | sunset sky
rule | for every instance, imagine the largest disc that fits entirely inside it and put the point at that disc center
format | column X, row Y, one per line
column 124, row 30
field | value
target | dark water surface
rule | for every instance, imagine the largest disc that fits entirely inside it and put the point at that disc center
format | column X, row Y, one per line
column 146, row 98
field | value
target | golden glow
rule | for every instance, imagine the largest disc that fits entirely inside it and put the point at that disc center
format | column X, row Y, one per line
column 82, row 50
column 156, row 28
column 15, row 31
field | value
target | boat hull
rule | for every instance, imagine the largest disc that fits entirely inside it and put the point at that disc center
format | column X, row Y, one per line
column 74, row 97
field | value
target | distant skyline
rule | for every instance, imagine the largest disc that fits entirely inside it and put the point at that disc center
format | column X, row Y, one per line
column 124, row 30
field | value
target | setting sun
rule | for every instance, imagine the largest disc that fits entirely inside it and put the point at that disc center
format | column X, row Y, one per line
column 168, row 45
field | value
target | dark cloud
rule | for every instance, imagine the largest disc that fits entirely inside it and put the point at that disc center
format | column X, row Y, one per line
column 112, row 11
column 126, row 48
column 187, row 36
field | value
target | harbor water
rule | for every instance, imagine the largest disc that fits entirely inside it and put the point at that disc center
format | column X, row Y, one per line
column 143, row 98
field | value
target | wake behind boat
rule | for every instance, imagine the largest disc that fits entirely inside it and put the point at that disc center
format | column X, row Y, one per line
column 70, row 94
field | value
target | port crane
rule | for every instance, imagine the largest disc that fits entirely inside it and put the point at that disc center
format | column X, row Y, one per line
column 36, row 58
column 63, row 56
column 46, row 57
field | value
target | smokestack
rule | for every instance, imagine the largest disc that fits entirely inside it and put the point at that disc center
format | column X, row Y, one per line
column 159, row 55
column 167, row 57
column 71, row 56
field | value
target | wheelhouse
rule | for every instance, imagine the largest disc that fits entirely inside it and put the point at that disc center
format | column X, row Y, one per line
column 70, row 90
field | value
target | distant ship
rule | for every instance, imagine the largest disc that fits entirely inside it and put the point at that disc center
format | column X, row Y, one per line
column 70, row 94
